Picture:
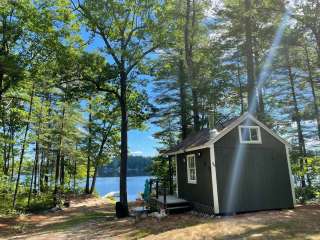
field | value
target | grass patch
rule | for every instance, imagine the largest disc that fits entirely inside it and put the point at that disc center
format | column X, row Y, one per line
column 78, row 219
column 141, row 233
column 111, row 200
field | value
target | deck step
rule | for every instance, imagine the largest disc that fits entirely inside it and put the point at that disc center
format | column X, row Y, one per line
column 173, row 204
column 178, row 204
column 179, row 209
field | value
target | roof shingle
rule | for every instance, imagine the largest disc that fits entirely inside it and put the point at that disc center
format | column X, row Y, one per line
column 199, row 138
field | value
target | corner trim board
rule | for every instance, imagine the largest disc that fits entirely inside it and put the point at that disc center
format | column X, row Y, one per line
column 177, row 180
column 290, row 176
column 214, row 181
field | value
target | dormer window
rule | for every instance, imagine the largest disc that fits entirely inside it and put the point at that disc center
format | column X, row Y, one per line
column 250, row 134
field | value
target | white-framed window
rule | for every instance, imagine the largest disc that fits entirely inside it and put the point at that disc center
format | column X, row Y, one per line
column 250, row 134
column 191, row 169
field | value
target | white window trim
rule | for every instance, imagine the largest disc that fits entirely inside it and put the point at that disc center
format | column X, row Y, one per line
column 195, row 168
column 259, row 141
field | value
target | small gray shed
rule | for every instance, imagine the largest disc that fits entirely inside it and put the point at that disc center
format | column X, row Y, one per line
column 240, row 166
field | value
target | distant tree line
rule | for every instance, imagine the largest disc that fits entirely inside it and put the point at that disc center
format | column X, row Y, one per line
column 137, row 166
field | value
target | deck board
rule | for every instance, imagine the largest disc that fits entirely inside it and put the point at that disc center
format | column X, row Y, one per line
column 171, row 199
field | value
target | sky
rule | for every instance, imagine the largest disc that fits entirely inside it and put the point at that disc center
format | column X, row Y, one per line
column 140, row 143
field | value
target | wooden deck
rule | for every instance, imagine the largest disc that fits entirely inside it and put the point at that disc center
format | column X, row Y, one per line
column 171, row 199
column 173, row 204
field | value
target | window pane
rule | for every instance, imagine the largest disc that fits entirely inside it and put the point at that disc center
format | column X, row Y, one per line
column 192, row 174
column 254, row 134
column 191, row 162
column 245, row 134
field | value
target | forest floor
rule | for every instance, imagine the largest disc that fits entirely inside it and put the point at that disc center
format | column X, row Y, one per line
column 95, row 219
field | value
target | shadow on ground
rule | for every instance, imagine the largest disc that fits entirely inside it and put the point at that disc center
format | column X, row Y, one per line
column 300, row 223
column 96, row 220
column 84, row 222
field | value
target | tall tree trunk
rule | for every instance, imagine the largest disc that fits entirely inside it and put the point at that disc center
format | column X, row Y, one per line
column 260, row 107
column 316, row 33
column 98, row 157
column 36, row 164
column 5, row 166
column 261, row 102
column 249, row 58
column 318, row 49
column 62, row 172
column 183, row 100
column 89, row 149
column 124, row 140
column 195, row 108
column 42, row 171
column 74, row 175
column 32, row 179
column 297, row 118
column 56, row 192
column 56, row 178
column 188, row 45
column 12, row 154
column 240, row 88
column 70, row 174
column 315, row 103
column 94, row 178
column 48, row 149
column 37, row 152
column 260, row 92
column 23, row 146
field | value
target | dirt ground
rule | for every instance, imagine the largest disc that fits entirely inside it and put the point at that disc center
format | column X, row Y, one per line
column 95, row 219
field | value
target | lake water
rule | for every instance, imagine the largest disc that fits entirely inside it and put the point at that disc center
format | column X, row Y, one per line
column 104, row 185
column 135, row 185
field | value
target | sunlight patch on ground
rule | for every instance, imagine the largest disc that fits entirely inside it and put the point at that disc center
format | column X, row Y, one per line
column 98, row 221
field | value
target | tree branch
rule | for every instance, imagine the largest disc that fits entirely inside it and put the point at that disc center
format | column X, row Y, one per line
column 141, row 57
column 131, row 33
column 106, row 41
column 101, row 30
column 106, row 89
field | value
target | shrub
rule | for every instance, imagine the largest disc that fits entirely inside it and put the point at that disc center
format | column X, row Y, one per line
column 307, row 193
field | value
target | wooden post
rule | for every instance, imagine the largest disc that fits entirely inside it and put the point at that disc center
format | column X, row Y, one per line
column 157, row 188
column 165, row 196
column 150, row 187
column 170, row 176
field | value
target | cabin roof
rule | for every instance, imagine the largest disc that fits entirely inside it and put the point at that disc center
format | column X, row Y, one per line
column 201, row 139
column 193, row 140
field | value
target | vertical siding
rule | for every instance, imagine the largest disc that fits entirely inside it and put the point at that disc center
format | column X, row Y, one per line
column 264, row 181
column 201, row 192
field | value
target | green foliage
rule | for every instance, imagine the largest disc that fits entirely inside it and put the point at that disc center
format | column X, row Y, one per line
column 160, row 167
column 51, row 82
column 306, row 194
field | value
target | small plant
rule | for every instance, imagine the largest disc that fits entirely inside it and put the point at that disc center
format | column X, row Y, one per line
column 306, row 194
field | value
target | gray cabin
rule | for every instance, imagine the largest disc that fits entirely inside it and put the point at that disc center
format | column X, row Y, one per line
column 240, row 166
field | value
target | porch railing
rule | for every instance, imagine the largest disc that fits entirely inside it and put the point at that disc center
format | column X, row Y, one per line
column 160, row 186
